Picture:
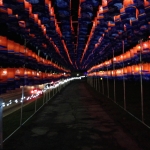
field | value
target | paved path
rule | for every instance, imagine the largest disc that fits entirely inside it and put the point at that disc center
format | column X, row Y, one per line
column 73, row 120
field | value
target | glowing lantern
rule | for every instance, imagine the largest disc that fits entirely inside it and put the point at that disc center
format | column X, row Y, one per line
column 3, row 75
column 22, row 51
column 136, row 69
column 1, row 2
column 119, row 72
column 146, row 46
column 16, row 48
column 113, row 72
column 117, row 18
column 9, row 11
column 35, row 18
column 3, row 44
column 39, row 22
column 10, row 47
column 129, row 70
column 11, row 78
column 146, row 68
column 34, row 56
column 146, row 4
column 128, row 3
column 105, row 6
column 127, row 55
column 30, row 54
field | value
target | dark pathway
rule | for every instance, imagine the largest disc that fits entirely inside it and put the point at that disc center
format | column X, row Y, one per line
column 73, row 120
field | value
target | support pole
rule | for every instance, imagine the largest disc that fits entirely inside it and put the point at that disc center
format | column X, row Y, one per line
column 141, row 81
column 107, row 84
column 103, row 85
column 22, row 100
column 1, row 124
column 124, row 86
column 114, row 79
column 99, row 84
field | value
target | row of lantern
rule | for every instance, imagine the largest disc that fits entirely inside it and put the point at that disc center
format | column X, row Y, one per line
column 85, row 16
column 129, row 11
column 143, row 48
column 52, row 18
column 129, row 71
column 35, row 19
column 11, row 78
column 66, row 26
column 12, row 48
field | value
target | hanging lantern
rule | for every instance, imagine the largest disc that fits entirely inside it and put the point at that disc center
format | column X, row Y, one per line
column 3, row 75
column 119, row 73
column 39, row 22
column 147, row 6
column 1, row 2
column 136, row 69
column 130, row 9
column 100, row 13
column 111, row 24
column 3, row 44
column 3, row 80
column 22, row 51
column 10, row 48
column 30, row 54
column 105, row 6
column 123, row 14
column 34, row 56
column 27, row 6
column 16, row 49
column 117, row 18
column 35, row 18
column 113, row 73
column 9, row 11
column 20, row 74
column 127, row 56
column 10, row 78
column 146, row 47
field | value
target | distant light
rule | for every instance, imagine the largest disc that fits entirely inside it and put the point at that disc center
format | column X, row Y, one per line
column 101, row 78
column 77, row 74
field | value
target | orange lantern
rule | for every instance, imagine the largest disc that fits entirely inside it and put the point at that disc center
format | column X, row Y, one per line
column 3, row 44
column 117, row 18
column 3, row 75
column 128, row 3
column 146, row 67
column 146, row 4
column 146, row 46
column 34, row 56
column 10, row 46
column 29, row 53
column 22, row 50
column 16, row 48
column 11, row 74
column 35, row 18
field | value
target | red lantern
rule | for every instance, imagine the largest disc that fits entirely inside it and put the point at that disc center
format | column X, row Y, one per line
column 10, row 47
column 3, row 75
column 11, row 74
column 3, row 44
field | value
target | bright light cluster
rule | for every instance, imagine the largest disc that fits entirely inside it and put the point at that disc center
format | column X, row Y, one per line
column 22, row 99
column 35, row 95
